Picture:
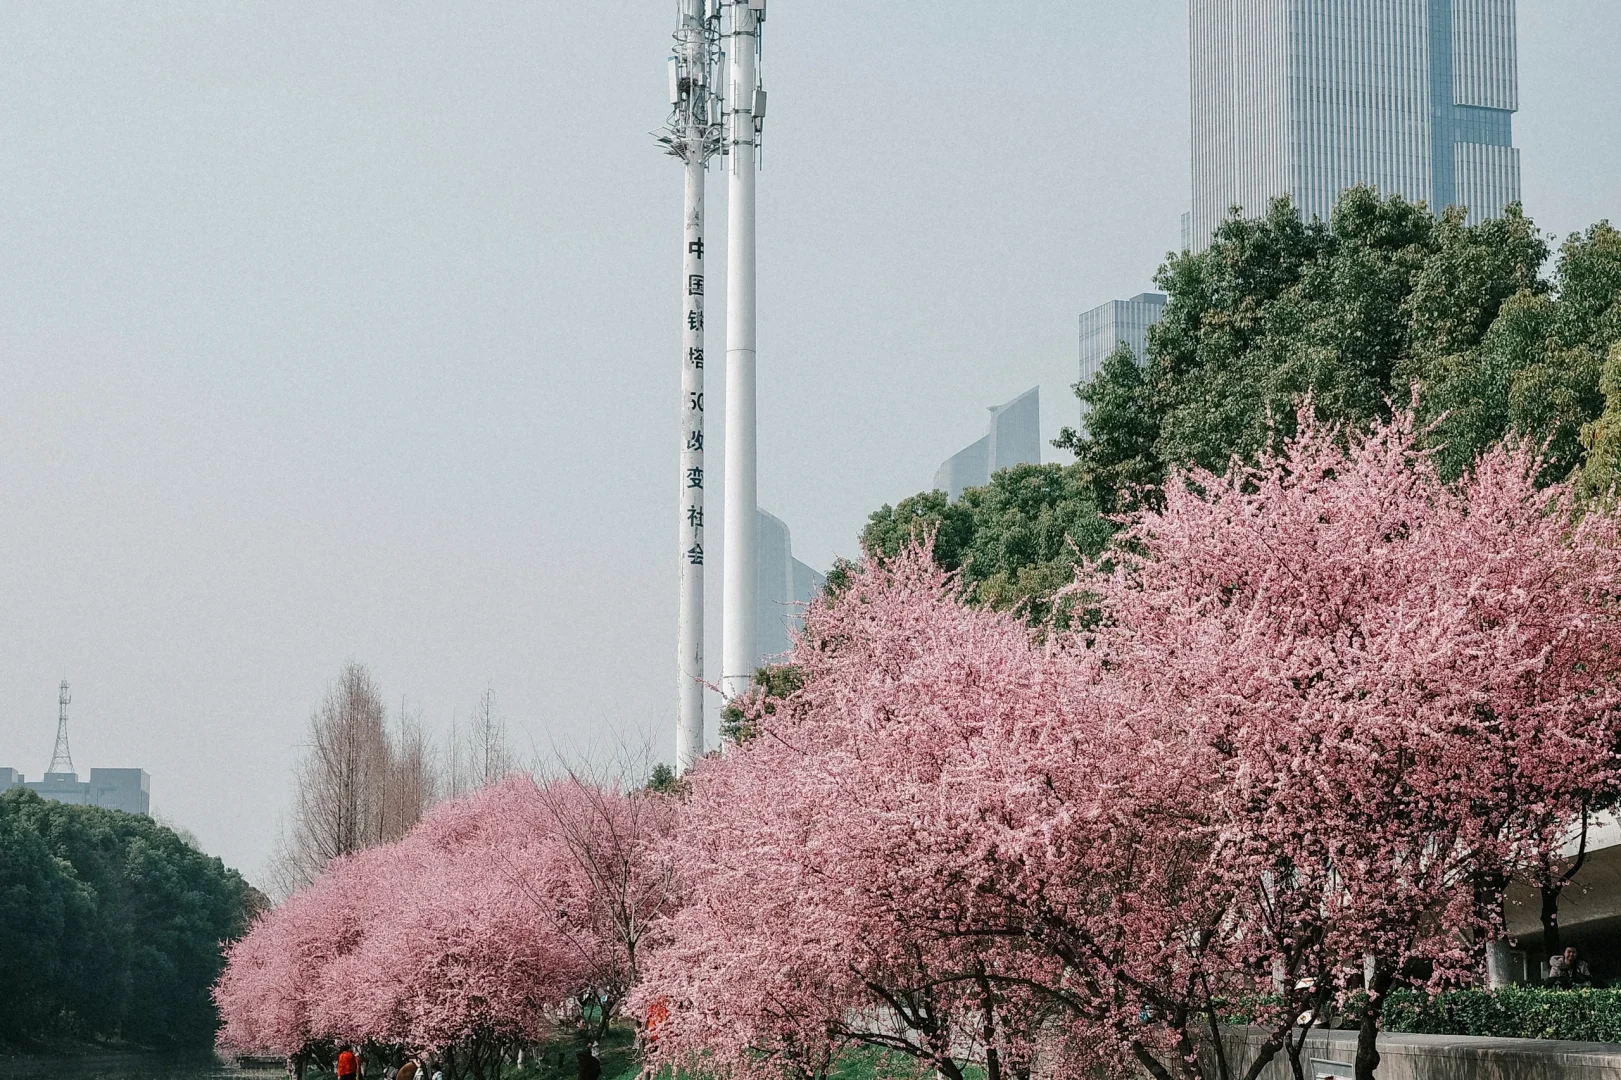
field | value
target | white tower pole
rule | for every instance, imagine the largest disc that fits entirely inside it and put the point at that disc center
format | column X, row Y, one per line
column 745, row 107
column 689, row 739
column 692, row 135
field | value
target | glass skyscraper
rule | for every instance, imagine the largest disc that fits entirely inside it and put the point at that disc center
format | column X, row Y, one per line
column 1104, row 328
column 1310, row 97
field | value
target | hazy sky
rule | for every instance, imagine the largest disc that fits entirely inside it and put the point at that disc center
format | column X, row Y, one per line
column 350, row 331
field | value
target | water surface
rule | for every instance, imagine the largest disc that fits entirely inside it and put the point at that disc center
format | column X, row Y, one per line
column 132, row 1067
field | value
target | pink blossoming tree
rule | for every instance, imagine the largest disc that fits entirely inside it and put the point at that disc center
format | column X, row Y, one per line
column 830, row 873
column 470, row 936
column 1327, row 707
column 1401, row 693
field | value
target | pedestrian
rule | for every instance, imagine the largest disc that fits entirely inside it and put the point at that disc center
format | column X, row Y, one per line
column 590, row 1067
column 348, row 1065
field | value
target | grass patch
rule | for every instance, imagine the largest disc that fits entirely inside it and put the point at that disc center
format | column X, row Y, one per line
column 557, row 1059
column 872, row 1063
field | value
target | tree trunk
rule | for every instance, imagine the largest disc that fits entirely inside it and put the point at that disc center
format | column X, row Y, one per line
column 1552, row 888
column 1550, row 919
column 1296, row 1045
column 1367, row 1040
column 1150, row 1063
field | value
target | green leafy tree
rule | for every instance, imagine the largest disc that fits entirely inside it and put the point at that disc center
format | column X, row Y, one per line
column 772, row 684
column 142, row 917
column 664, row 781
column 1122, row 429
column 1469, row 273
column 1016, row 540
column 1536, row 371
column 928, row 514
column 1356, row 312
column 1601, row 439
column 46, row 915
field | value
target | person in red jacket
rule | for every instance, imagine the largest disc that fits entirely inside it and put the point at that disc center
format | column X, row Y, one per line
column 346, row 1065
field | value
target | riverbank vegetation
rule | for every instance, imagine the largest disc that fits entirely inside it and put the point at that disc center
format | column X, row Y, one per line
column 1320, row 710
column 110, row 928
column 1268, row 698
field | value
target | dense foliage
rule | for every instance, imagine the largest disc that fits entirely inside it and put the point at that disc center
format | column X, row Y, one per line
column 1601, row 440
column 1016, row 541
column 110, row 926
column 1332, row 705
column 1358, row 312
column 1515, row 1012
column 473, row 935
column 1351, row 666
column 770, row 685
column 1355, row 312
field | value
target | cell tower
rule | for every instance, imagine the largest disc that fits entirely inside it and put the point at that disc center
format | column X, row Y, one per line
column 61, row 759
column 693, row 134
column 745, row 115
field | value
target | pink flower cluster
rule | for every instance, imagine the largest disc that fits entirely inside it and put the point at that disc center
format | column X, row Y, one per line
column 1324, row 711
column 485, row 922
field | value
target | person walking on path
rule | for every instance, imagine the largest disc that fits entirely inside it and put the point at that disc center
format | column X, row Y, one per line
column 590, row 1067
column 348, row 1065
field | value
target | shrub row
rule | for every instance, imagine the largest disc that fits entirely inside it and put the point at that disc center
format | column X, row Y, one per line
column 1518, row 1012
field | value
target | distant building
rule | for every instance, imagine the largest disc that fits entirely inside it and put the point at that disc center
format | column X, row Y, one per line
column 968, row 467
column 116, row 789
column 1013, row 438
column 1415, row 97
column 786, row 585
column 1104, row 328
column 129, row 790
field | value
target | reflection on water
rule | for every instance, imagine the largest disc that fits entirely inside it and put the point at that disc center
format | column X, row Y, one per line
column 132, row 1067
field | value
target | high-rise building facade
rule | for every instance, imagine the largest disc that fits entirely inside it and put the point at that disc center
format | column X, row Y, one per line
column 1309, row 97
column 1013, row 437
column 786, row 585
column 1105, row 328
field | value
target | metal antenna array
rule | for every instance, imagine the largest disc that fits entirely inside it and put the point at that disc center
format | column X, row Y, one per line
column 61, row 759
column 693, row 134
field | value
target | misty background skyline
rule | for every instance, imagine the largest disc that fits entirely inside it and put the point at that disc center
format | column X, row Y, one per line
column 354, row 334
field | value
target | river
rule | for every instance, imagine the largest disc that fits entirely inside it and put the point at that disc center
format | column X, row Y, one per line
column 131, row 1067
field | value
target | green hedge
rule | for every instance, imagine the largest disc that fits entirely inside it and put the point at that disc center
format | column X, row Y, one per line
column 1518, row 1012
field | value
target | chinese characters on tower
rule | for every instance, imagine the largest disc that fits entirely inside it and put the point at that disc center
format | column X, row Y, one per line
column 692, row 388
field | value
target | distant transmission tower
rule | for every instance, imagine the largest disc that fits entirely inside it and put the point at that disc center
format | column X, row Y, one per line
column 693, row 134
column 61, row 759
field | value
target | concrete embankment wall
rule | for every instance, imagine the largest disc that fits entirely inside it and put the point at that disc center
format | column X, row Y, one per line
column 1329, row 1055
